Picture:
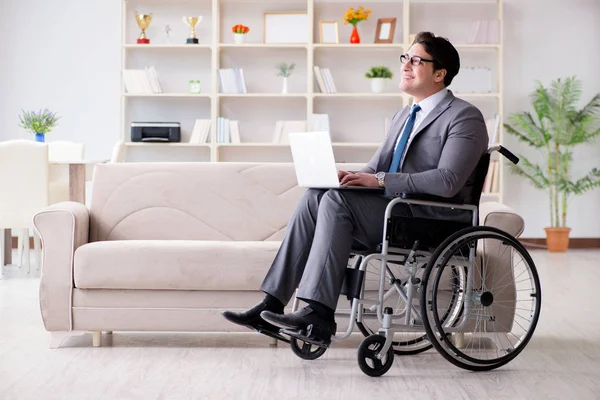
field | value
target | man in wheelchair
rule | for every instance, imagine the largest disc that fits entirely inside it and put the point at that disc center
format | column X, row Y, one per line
column 432, row 148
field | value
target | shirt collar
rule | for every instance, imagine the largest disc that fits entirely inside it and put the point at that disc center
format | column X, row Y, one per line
column 429, row 103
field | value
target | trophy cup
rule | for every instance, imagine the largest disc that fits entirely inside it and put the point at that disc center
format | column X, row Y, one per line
column 143, row 20
column 191, row 22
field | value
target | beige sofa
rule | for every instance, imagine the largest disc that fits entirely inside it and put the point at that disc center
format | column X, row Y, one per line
column 168, row 246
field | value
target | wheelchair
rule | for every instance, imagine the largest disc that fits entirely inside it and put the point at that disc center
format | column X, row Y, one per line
column 471, row 292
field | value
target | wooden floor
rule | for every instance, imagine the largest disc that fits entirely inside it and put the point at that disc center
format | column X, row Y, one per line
column 562, row 361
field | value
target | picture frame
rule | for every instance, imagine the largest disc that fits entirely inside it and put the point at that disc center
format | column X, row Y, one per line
column 385, row 30
column 328, row 32
column 285, row 27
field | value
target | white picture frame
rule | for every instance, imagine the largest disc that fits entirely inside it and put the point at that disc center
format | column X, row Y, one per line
column 328, row 32
column 285, row 27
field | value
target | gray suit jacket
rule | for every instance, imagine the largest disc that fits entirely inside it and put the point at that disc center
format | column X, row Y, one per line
column 442, row 156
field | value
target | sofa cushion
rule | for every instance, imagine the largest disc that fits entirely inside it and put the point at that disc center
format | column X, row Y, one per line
column 173, row 264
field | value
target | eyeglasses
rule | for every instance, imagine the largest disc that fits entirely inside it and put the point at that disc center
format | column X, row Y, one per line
column 414, row 60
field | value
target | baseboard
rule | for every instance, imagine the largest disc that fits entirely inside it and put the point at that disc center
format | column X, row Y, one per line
column 574, row 243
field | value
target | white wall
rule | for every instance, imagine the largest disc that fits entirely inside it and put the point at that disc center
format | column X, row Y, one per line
column 66, row 56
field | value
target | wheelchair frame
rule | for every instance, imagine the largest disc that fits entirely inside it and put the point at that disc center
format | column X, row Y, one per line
column 410, row 319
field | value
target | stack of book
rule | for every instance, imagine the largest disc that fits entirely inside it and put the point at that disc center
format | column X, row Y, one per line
column 231, row 80
column 201, row 131
column 324, row 80
column 143, row 81
column 491, row 183
column 485, row 31
column 228, row 131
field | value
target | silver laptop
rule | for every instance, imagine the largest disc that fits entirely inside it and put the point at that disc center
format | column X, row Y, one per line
column 314, row 162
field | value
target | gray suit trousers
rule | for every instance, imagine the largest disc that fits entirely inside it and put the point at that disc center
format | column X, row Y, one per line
column 314, row 254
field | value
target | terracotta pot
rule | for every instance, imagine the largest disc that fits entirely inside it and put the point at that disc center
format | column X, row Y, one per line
column 557, row 239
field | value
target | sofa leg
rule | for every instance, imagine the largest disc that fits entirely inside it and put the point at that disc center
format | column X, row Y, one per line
column 273, row 342
column 459, row 340
column 57, row 337
column 97, row 339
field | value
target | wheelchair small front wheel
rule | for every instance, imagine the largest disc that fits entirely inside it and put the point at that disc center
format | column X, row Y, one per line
column 305, row 350
column 368, row 361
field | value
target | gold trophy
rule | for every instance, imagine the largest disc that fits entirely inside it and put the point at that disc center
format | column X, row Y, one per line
column 191, row 22
column 143, row 20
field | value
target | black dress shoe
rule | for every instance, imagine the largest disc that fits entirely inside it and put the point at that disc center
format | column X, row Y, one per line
column 252, row 319
column 300, row 320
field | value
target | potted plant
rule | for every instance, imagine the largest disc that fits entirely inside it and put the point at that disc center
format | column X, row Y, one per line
column 285, row 70
column 378, row 75
column 354, row 17
column 239, row 33
column 38, row 123
column 555, row 129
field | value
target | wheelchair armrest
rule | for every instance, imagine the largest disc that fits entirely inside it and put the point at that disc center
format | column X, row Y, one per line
column 429, row 197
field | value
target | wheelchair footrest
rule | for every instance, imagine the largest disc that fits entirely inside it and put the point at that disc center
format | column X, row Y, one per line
column 312, row 334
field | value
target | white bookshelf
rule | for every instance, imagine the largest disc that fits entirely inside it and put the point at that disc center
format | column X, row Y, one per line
column 355, row 135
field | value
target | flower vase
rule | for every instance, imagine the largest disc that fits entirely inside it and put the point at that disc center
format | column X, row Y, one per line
column 354, row 37
column 39, row 137
column 284, row 90
column 239, row 38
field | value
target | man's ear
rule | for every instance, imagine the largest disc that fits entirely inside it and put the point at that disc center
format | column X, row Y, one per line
column 439, row 75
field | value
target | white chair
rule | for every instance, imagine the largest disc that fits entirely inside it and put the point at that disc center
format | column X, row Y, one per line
column 24, row 182
column 118, row 153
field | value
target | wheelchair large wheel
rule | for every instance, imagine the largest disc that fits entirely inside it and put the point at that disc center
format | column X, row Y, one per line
column 496, row 305
column 405, row 343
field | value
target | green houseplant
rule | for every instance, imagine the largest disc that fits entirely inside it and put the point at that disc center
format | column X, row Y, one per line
column 38, row 123
column 378, row 75
column 555, row 128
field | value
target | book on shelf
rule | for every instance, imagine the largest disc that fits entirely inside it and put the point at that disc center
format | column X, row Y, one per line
column 201, row 131
column 491, row 183
column 485, row 31
column 228, row 131
column 141, row 81
column 284, row 128
column 231, row 80
column 324, row 80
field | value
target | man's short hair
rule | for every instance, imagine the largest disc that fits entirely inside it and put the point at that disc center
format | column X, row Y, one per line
column 443, row 53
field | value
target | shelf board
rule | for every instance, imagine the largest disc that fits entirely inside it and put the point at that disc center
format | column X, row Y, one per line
column 491, row 95
column 166, row 46
column 176, row 144
column 334, row 144
column 265, row 95
column 358, row 95
column 200, row 95
column 358, row 46
column 264, row 45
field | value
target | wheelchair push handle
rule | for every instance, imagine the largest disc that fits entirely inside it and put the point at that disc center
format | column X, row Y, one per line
column 506, row 153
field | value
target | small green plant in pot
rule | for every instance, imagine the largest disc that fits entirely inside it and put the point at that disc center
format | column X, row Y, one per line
column 555, row 128
column 378, row 75
column 38, row 123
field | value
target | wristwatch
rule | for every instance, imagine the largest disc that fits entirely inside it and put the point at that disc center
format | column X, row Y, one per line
column 380, row 178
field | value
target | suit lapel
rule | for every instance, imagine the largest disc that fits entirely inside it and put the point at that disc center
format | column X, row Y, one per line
column 432, row 116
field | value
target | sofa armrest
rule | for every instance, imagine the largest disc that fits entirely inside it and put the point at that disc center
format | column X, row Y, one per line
column 501, row 216
column 62, row 227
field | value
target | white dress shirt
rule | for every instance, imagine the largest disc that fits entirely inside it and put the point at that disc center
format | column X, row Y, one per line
column 427, row 105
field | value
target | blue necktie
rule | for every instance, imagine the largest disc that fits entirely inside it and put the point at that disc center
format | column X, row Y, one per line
column 404, row 139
